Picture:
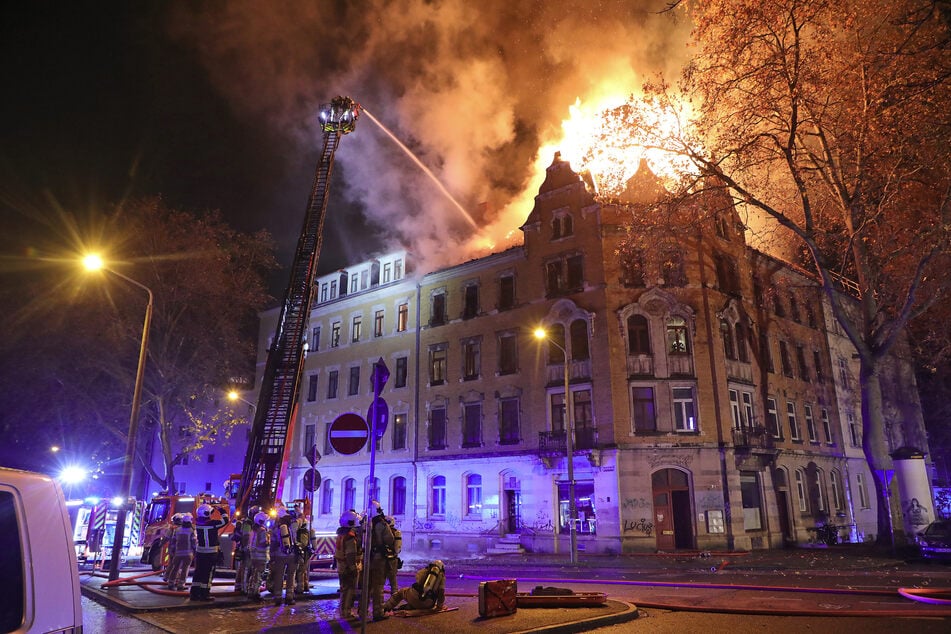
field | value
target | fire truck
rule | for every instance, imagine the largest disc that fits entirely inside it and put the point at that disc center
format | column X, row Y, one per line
column 157, row 524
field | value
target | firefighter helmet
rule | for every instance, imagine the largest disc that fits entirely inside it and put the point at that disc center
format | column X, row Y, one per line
column 177, row 519
column 204, row 511
column 260, row 518
column 281, row 512
column 439, row 564
column 349, row 519
column 187, row 519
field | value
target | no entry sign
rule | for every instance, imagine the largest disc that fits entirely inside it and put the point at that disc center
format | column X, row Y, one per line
column 348, row 433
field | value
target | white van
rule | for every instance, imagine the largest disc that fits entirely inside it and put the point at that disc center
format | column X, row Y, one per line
column 39, row 582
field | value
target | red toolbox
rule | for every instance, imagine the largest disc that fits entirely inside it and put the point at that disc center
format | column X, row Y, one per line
column 498, row 598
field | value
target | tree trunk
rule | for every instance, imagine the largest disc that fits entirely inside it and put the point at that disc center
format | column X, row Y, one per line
column 874, row 446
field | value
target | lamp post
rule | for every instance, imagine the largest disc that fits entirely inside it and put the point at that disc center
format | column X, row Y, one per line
column 94, row 263
column 542, row 335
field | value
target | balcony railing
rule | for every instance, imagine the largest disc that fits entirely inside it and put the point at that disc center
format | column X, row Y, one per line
column 555, row 442
column 577, row 370
column 752, row 438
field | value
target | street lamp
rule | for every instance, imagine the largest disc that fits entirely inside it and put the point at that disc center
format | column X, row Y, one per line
column 542, row 335
column 94, row 263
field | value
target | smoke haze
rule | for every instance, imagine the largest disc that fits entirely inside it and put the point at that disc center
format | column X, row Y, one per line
column 477, row 91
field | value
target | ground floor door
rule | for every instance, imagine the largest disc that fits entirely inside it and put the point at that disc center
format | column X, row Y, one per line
column 673, row 519
column 513, row 510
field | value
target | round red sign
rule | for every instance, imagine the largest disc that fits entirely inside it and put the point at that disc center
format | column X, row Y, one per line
column 348, row 433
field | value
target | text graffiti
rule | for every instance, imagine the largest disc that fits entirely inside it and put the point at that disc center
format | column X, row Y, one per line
column 640, row 526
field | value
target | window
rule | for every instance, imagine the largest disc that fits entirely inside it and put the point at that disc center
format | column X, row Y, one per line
column 472, row 425
column 584, row 507
column 400, row 378
column 208, row 486
column 312, row 387
column 845, row 377
column 766, row 355
column 326, row 497
column 811, row 428
column 645, row 416
column 399, row 431
column 315, row 339
column 310, row 440
column 402, row 317
column 438, row 315
column 748, row 408
column 332, row 384
column 794, row 309
column 506, row 292
column 354, row 280
column 508, row 421
column 378, row 323
column 735, row 409
column 474, row 495
column 557, row 402
column 556, row 344
column 335, row 334
column 328, row 448
column 801, row 491
column 470, row 360
column 438, row 504
column 672, row 268
column 722, row 227
column 784, row 358
column 638, row 335
column 726, row 334
column 817, row 363
column 333, row 289
column 863, row 491
column 728, row 280
column 565, row 275
column 579, row 340
column 581, row 401
column 752, row 506
column 508, row 354
column 561, row 226
column 772, row 419
column 801, row 360
column 793, row 423
column 778, row 307
column 470, row 306
column 349, row 494
column 398, row 496
column 836, row 490
column 387, row 272
column 364, row 280
column 355, row 327
column 742, row 345
column 354, row 385
column 820, row 494
column 437, row 364
column 375, row 273
column 632, row 270
column 397, row 269
column 810, row 315
column 827, row 426
column 437, row 428
column 211, row 458
column 373, row 490
column 323, row 292
column 855, row 432
column 677, row 342
column 684, row 410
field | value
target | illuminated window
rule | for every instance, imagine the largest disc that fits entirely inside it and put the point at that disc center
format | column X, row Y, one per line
column 399, row 431
column 437, row 364
column 677, row 342
column 355, row 328
column 474, row 495
column 335, row 334
column 685, row 417
column 438, row 497
column 402, row 317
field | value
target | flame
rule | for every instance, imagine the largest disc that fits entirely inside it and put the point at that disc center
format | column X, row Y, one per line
column 607, row 138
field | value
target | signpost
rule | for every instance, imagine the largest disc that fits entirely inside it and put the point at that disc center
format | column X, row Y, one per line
column 311, row 481
column 378, row 415
column 348, row 433
column 380, row 375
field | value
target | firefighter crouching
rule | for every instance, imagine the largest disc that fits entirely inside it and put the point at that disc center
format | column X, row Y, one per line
column 348, row 557
column 381, row 543
column 427, row 593
column 283, row 558
column 181, row 549
column 259, row 545
column 206, row 558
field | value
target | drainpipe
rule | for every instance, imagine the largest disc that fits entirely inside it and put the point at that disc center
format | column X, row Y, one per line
column 416, row 391
column 721, row 444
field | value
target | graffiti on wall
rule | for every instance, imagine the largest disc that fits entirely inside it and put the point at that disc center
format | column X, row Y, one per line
column 642, row 526
column 636, row 503
column 542, row 523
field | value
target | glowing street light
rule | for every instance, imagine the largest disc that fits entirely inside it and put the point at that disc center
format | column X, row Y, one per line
column 542, row 335
column 94, row 262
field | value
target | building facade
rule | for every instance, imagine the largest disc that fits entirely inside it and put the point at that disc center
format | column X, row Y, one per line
column 711, row 398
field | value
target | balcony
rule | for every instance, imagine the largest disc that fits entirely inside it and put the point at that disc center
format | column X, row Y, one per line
column 753, row 438
column 578, row 370
column 555, row 442
column 640, row 365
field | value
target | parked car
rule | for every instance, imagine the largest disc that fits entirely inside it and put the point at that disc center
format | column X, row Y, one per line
column 935, row 541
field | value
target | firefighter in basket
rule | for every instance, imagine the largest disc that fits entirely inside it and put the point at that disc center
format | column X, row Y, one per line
column 207, row 532
column 348, row 556
column 181, row 550
column 427, row 593
column 259, row 546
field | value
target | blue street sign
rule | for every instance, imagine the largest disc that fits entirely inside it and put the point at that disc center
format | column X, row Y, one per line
column 382, row 415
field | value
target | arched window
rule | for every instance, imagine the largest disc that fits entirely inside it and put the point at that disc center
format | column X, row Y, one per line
column 742, row 345
column 677, row 342
column 474, row 495
column 556, row 337
column 579, row 340
column 398, row 496
column 726, row 333
column 638, row 335
column 373, row 491
column 349, row 495
column 801, row 490
column 326, row 497
column 438, row 505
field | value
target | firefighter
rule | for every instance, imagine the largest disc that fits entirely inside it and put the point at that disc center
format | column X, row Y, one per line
column 167, row 539
column 283, row 558
column 242, row 534
column 305, row 539
column 393, row 561
column 381, row 544
column 259, row 555
column 348, row 557
column 427, row 593
column 206, row 558
column 181, row 550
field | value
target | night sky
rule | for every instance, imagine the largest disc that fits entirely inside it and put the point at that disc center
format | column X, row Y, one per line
column 213, row 104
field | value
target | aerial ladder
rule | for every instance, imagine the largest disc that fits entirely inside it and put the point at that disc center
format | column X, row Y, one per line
column 266, row 460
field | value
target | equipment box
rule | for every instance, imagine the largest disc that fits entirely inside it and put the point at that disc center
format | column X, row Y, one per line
column 498, row 598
